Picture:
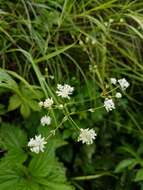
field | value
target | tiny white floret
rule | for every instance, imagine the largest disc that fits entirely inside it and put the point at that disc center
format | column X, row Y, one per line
column 81, row 43
column 45, row 120
column 93, row 42
column 111, row 20
column 106, row 23
column 124, row 84
column 87, row 39
column 48, row 103
column 40, row 104
column 38, row 144
column 118, row 95
column 87, row 136
column 109, row 104
column 64, row 90
column 61, row 106
column 113, row 80
column 121, row 20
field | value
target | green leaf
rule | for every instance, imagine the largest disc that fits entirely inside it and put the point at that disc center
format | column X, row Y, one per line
column 14, row 102
column 15, row 179
column 25, row 110
column 2, row 109
column 45, row 168
column 124, row 164
column 14, row 157
column 6, row 81
column 42, row 164
column 139, row 175
column 12, row 137
column 33, row 105
column 43, row 172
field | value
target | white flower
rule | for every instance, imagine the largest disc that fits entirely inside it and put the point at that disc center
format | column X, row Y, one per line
column 118, row 95
column 41, row 104
column 61, row 106
column 93, row 42
column 48, row 103
column 106, row 23
column 87, row 136
column 113, row 80
column 87, row 39
column 109, row 104
column 36, row 145
column 45, row 120
column 121, row 20
column 111, row 20
column 81, row 43
column 64, row 90
column 124, row 84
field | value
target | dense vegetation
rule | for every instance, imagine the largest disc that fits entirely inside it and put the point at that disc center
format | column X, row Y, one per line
column 83, row 43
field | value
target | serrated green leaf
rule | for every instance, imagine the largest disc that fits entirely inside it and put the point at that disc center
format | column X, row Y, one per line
column 14, row 102
column 15, row 179
column 27, row 184
column 41, row 165
column 14, row 157
column 12, row 137
column 45, row 168
column 8, row 179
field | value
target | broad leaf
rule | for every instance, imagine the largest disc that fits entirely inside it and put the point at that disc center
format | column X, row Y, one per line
column 12, row 137
column 25, row 110
column 14, row 102
column 124, row 164
column 139, row 175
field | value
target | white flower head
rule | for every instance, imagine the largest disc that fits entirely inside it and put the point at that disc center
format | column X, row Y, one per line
column 61, row 106
column 111, row 20
column 113, row 81
column 118, row 95
column 48, row 103
column 38, row 144
column 81, row 43
column 109, row 104
column 106, row 23
column 40, row 104
column 93, row 42
column 121, row 20
column 64, row 90
column 87, row 136
column 45, row 120
column 124, row 84
column 87, row 39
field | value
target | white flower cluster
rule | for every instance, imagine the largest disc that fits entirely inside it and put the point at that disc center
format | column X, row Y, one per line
column 109, row 104
column 124, row 84
column 47, row 103
column 64, row 90
column 38, row 144
column 87, row 136
column 113, row 81
column 118, row 95
column 45, row 120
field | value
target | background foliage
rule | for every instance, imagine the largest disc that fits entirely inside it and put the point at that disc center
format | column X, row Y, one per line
column 81, row 43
